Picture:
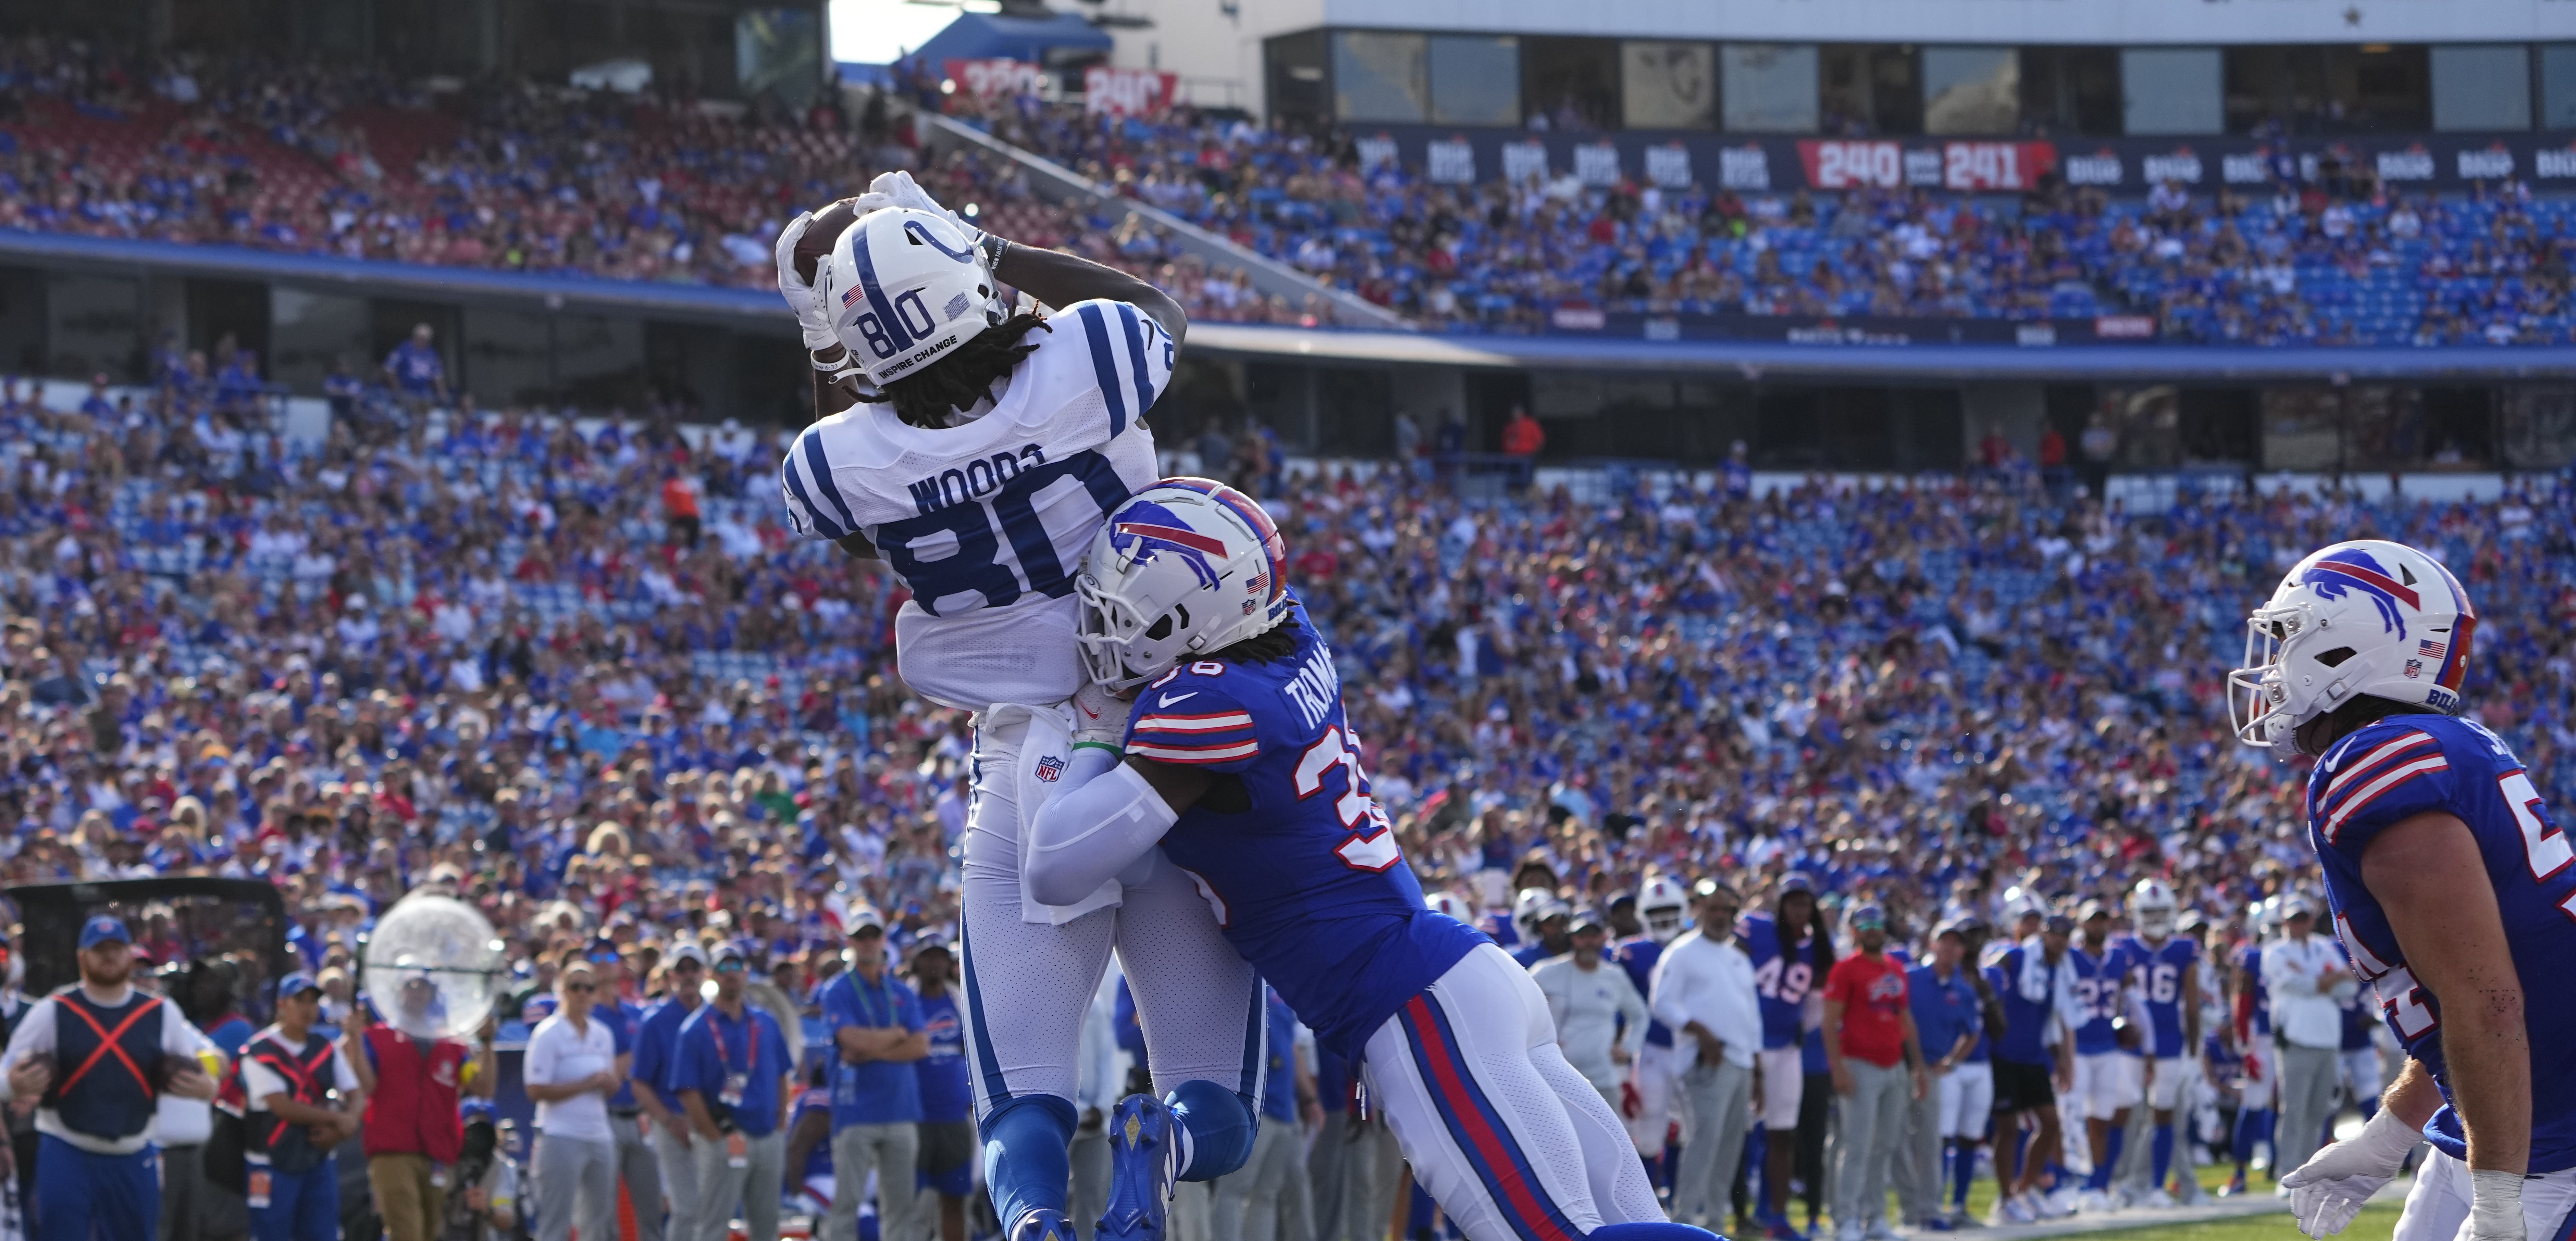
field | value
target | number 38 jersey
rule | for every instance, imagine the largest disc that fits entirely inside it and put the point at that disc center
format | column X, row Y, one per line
column 986, row 521
column 2407, row 765
column 1290, row 850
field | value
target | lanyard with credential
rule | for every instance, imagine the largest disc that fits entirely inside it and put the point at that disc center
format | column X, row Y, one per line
column 750, row 1038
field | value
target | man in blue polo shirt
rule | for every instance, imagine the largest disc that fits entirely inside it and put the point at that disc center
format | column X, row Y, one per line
column 636, row 1168
column 876, row 1090
column 1948, row 1019
column 656, row 1042
column 730, row 1071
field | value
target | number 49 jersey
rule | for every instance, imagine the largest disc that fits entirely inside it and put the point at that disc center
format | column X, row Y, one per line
column 1783, row 976
column 2407, row 765
column 986, row 521
column 1288, row 847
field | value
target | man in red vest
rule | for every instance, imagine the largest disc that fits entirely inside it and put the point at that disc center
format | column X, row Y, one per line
column 414, row 1128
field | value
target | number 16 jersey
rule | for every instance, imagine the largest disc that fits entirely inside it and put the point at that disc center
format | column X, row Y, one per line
column 986, row 521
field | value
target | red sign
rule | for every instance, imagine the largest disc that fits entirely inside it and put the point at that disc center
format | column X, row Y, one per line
column 1838, row 164
column 1127, row 92
column 986, row 78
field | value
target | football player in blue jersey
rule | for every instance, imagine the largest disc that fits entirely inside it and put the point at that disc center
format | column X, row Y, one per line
column 1789, row 968
column 2164, row 969
column 1238, row 768
column 2034, row 1060
column 2106, row 1077
column 2449, row 883
column 1662, row 908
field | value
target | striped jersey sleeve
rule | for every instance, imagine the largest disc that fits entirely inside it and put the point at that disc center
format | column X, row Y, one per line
column 2382, row 775
column 1195, row 725
column 816, row 509
column 1118, row 349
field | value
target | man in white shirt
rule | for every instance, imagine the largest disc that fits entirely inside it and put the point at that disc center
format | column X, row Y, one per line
column 2308, row 980
column 1702, row 990
column 1589, row 1004
column 95, row 1172
column 572, row 1068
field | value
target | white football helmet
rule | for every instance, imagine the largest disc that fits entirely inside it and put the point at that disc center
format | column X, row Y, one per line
column 2153, row 909
column 2362, row 618
column 2021, row 902
column 1662, row 906
column 1450, row 904
column 1185, row 567
column 906, row 288
column 1534, row 906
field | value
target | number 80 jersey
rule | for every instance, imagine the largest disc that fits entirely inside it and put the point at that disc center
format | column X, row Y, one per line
column 2407, row 765
column 1290, row 850
column 986, row 521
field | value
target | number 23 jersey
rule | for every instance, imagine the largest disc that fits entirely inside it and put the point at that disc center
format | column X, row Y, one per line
column 2407, row 765
column 986, row 521
column 1290, row 850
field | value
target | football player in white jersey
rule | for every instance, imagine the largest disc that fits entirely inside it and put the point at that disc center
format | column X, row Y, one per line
column 978, row 463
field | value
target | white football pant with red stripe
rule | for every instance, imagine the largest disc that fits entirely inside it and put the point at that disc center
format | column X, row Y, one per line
column 1501, row 1131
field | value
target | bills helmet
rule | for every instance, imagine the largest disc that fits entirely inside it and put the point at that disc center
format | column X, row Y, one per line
column 2366, row 618
column 1533, row 907
column 906, row 288
column 1186, row 567
column 1661, row 904
column 2153, row 908
column 1451, row 905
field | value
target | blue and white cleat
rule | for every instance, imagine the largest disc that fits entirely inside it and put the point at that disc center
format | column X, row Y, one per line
column 1043, row 1224
column 1144, row 1161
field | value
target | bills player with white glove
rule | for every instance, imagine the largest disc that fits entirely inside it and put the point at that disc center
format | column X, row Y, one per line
column 978, row 461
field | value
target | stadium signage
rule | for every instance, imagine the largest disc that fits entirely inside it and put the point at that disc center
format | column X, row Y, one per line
column 1750, row 164
column 987, row 78
column 1127, row 92
column 1837, row 330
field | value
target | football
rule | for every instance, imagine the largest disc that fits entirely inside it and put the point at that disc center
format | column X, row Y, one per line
column 816, row 244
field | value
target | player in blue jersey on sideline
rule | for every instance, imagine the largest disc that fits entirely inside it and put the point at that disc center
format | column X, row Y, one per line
column 2449, row 883
column 2106, row 1078
column 2164, row 970
column 1789, row 968
column 1662, row 910
column 1238, row 762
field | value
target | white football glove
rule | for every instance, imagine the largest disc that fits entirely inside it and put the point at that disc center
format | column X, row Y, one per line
column 902, row 191
column 2328, row 1190
column 813, row 318
column 1097, row 717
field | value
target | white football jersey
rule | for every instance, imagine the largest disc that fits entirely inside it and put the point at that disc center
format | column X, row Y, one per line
column 987, row 522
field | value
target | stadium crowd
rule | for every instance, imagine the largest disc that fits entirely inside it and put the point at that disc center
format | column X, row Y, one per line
column 327, row 157
column 578, row 673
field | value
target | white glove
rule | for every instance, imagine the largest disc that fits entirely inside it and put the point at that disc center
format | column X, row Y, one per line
column 1097, row 717
column 2328, row 1190
column 902, row 191
column 813, row 318
column 2495, row 1207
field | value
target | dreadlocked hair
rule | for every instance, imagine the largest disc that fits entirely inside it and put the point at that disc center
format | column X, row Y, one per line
column 963, row 379
column 1268, row 646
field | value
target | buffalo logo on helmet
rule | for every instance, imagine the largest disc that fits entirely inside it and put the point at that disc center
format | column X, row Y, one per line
column 1146, row 530
column 2334, row 576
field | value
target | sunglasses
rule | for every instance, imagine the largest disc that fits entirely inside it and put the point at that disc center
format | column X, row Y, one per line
column 579, row 988
column 605, row 958
column 730, row 967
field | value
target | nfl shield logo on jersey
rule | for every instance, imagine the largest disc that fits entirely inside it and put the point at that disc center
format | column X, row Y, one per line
column 1050, row 768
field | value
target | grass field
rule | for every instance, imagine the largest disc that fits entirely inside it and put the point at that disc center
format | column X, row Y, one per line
column 2375, row 1223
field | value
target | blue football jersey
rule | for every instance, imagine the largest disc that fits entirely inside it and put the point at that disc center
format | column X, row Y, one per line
column 2156, row 971
column 2408, row 765
column 1299, row 863
column 2100, row 980
column 1637, row 955
column 2025, row 1039
column 2249, row 963
column 1781, row 980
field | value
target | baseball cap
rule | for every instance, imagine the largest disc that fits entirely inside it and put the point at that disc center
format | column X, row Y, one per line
column 1586, row 919
column 2090, row 910
column 296, row 984
column 2295, row 905
column 686, row 952
column 1867, row 915
column 1949, row 926
column 1797, row 881
column 863, row 918
column 102, row 928
column 731, row 951
column 2061, row 924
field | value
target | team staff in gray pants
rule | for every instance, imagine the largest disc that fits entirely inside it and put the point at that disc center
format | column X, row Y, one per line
column 656, row 1037
column 730, row 1072
column 1702, row 989
column 876, row 1091
column 1876, row 1061
column 2309, row 979
column 635, row 1162
column 571, row 1069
